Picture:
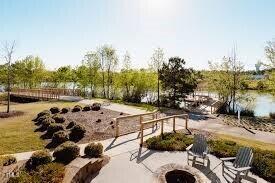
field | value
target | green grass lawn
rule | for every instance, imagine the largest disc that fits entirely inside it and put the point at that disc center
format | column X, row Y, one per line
column 17, row 133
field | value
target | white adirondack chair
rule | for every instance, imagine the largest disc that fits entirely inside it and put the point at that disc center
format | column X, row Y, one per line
column 198, row 149
column 241, row 165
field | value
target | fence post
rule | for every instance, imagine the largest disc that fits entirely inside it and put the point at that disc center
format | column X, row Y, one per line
column 141, row 135
column 117, row 127
column 186, row 122
column 174, row 124
column 161, row 127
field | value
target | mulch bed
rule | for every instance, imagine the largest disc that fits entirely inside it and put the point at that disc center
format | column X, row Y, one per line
column 11, row 114
column 100, row 125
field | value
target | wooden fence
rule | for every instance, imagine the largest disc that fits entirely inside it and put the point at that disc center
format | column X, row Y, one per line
column 161, row 120
column 140, row 116
column 44, row 93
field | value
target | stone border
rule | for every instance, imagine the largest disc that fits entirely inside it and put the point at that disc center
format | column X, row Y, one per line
column 159, row 175
column 82, row 169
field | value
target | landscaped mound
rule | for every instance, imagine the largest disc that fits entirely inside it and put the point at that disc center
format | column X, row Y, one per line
column 39, row 158
column 263, row 162
column 7, row 160
column 169, row 142
column 66, row 152
column 93, row 150
column 48, row 173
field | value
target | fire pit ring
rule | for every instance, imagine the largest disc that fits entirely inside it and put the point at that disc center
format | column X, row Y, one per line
column 174, row 173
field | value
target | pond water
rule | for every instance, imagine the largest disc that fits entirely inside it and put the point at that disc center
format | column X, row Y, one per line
column 262, row 103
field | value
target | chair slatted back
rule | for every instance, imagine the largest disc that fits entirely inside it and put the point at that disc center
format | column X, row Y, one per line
column 200, row 144
column 244, row 157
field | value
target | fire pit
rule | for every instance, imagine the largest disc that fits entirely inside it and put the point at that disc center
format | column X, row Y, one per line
column 173, row 173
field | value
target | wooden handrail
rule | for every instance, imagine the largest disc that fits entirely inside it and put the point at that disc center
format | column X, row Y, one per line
column 118, row 119
column 154, row 121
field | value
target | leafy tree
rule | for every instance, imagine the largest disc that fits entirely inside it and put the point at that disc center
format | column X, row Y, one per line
column 64, row 75
column 29, row 71
column 156, row 63
column 270, row 53
column 226, row 78
column 108, row 63
column 92, row 62
column 177, row 81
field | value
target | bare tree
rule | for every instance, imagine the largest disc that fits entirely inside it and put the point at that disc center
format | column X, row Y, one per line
column 8, row 49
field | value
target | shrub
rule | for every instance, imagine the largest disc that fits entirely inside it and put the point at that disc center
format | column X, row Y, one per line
column 87, row 108
column 66, row 152
column 7, row 160
column 48, row 173
column 77, row 108
column 71, row 124
column 272, row 115
column 93, row 150
column 77, row 132
column 247, row 112
column 41, row 119
column 264, row 164
column 60, row 137
column 54, row 128
column 59, row 119
column 223, row 148
column 47, row 122
column 65, row 110
column 44, row 113
column 54, row 110
column 96, row 106
column 39, row 158
column 169, row 142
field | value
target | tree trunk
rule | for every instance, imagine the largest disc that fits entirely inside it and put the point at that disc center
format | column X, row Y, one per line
column 158, row 88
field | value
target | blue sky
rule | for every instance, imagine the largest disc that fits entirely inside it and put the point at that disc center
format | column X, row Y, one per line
column 61, row 31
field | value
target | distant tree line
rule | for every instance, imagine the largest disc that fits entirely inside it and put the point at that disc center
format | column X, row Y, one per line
column 98, row 75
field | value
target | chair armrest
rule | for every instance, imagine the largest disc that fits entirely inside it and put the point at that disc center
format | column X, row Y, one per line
column 189, row 147
column 243, row 168
column 227, row 159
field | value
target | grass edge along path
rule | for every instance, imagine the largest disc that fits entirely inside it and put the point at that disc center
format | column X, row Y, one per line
column 17, row 133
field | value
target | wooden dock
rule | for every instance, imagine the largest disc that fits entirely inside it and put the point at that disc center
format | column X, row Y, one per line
column 44, row 93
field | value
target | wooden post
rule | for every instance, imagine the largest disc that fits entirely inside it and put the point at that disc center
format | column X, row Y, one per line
column 174, row 124
column 141, row 135
column 186, row 122
column 117, row 128
column 161, row 127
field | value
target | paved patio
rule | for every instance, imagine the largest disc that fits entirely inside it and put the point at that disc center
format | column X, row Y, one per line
column 129, row 163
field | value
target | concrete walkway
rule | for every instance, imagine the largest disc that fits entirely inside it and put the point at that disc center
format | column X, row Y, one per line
column 129, row 163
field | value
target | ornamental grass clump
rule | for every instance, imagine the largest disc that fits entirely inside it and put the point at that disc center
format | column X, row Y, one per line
column 59, row 118
column 77, row 132
column 43, row 113
column 47, row 122
column 87, row 108
column 96, row 106
column 71, row 124
column 54, row 110
column 39, row 158
column 66, row 152
column 54, row 128
column 60, row 137
column 94, row 150
column 7, row 160
column 77, row 108
column 65, row 110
